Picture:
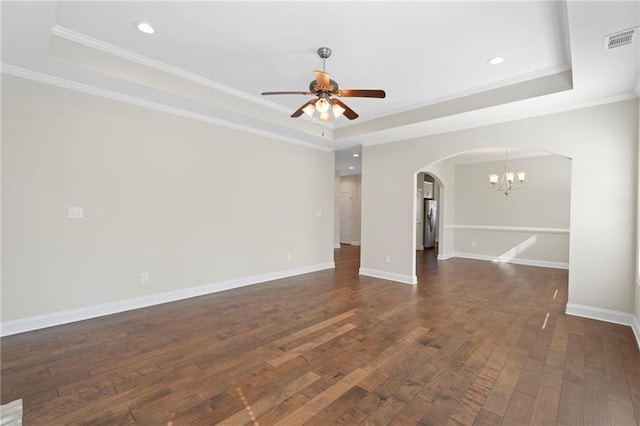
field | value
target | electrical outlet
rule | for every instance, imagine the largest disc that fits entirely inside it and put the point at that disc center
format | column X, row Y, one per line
column 75, row 213
column 288, row 256
column 473, row 244
column 144, row 277
column 387, row 259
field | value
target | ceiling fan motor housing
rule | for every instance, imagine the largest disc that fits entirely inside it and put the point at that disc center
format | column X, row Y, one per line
column 315, row 88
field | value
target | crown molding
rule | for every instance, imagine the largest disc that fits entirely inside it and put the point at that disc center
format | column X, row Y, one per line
column 119, row 97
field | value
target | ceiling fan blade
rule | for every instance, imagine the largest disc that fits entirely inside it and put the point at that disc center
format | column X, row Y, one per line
column 348, row 112
column 322, row 79
column 299, row 111
column 361, row 93
column 286, row 93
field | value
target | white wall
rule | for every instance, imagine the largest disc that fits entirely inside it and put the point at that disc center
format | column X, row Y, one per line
column 529, row 226
column 602, row 142
column 352, row 184
column 188, row 202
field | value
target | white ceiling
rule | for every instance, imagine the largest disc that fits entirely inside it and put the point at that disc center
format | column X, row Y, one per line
column 211, row 60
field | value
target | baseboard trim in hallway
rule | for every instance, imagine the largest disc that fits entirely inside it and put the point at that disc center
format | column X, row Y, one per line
column 607, row 315
column 64, row 317
column 515, row 260
column 404, row 279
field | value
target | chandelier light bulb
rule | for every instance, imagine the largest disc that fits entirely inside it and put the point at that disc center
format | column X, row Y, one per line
column 325, row 116
column 521, row 176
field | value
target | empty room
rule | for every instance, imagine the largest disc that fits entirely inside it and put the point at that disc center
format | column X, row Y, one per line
column 288, row 213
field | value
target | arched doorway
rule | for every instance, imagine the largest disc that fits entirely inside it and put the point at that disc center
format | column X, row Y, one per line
column 529, row 226
column 430, row 192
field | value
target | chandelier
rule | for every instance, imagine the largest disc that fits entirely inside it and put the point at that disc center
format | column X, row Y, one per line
column 508, row 181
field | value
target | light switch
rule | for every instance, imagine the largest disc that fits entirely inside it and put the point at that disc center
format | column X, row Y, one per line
column 76, row 213
column 318, row 213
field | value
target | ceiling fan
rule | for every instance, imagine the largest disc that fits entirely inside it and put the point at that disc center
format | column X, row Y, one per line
column 324, row 88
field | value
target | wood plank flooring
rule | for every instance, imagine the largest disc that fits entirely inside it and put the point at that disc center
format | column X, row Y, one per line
column 474, row 343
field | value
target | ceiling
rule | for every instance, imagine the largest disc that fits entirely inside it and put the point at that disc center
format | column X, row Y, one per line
column 211, row 60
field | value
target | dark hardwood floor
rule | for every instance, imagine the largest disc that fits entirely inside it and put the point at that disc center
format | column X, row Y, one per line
column 473, row 343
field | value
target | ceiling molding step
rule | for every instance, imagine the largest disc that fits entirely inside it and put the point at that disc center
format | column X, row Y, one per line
column 522, row 78
column 85, row 40
column 541, row 86
column 119, row 97
column 388, row 137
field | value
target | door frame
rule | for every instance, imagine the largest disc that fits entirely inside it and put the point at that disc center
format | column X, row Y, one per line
column 344, row 195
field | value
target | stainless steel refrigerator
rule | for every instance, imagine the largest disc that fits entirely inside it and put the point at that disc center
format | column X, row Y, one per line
column 430, row 223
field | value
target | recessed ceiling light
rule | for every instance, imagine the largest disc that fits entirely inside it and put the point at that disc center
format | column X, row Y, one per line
column 356, row 155
column 145, row 27
column 495, row 61
column 350, row 167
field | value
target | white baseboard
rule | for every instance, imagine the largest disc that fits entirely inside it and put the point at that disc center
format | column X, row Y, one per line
column 64, row 317
column 636, row 329
column 445, row 256
column 615, row 317
column 335, row 246
column 391, row 276
column 355, row 243
column 516, row 261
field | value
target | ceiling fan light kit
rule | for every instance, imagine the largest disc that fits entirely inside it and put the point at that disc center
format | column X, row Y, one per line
column 324, row 88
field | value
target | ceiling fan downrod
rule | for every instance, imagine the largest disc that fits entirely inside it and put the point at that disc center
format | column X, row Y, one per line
column 324, row 53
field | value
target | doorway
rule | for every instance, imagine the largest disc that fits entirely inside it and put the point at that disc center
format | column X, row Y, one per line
column 428, row 194
column 346, row 217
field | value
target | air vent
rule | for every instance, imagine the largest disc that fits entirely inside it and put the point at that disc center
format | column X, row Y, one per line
column 619, row 39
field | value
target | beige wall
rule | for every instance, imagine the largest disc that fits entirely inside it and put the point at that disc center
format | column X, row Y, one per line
column 352, row 184
column 190, row 203
column 544, row 203
column 490, row 224
column 602, row 142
